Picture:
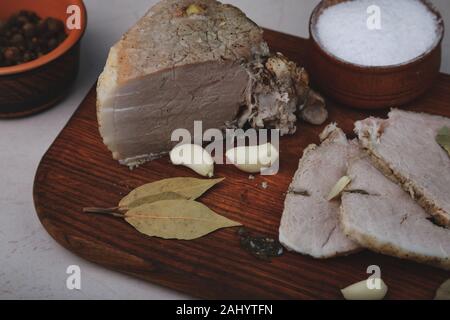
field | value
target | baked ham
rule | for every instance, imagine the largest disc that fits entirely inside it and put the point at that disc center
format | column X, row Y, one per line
column 382, row 217
column 310, row 223
column 404, row 148
column 189, row 60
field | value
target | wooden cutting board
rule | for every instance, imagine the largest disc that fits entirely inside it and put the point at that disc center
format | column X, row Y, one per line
column 78, row 171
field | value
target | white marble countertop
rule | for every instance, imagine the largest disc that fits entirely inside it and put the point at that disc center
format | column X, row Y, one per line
column 33, row 265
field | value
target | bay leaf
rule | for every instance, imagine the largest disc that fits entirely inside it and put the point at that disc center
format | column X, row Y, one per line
column 167, row 189
column 443, row 138
column 176, row 219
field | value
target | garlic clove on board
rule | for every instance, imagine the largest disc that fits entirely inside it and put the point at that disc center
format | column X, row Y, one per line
column 253, row 159
column 361, row 291
column 193, row 157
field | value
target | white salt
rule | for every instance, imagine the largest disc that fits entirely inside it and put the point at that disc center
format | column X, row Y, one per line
column 407, row 30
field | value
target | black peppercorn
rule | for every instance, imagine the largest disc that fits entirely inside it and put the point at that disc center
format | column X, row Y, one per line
column 54, row 26
column 42, row 26
column 29, row 29
column 11, row 54
column 21, row 20
column 30, row 15
column 28, row 56
column 25, row 37
column 17, row 39
column 52, row 43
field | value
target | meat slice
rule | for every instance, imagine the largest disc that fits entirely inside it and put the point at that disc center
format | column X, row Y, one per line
column 188, row 60
column 404, row 148
column 380, row 216
column 310, row 223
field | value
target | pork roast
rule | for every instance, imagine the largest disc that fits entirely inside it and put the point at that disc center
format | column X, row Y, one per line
column 310, row 223
column 188, row 60
column 404, row 148
column 380, row 216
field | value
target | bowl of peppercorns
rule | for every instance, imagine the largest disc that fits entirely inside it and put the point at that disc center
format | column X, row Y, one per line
column 39, row 53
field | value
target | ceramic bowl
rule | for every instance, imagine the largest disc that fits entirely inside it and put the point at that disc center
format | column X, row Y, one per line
column 39, row 84
column 371, row 87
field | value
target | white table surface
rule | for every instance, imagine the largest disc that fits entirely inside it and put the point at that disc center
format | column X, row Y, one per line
column 33, row 265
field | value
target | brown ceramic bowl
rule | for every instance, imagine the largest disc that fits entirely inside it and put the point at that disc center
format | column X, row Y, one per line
column 39, row 84
column 371, row 87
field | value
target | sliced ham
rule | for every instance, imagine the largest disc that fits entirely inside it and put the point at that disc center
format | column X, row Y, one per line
column 382, row 217
column 310, row 223
column 404, row 148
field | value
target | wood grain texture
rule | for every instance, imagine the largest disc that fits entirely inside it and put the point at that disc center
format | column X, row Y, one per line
column 36, row 90
column 78, row 171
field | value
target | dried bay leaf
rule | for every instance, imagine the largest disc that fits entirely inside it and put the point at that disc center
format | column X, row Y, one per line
column 167, row 209
column 133, row 203
column 303, row 193
column 443, row 138
column 358, row 191
column 176, row 219
column 167, row 189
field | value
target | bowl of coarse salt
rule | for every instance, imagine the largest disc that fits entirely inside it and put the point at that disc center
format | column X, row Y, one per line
column 373, row 54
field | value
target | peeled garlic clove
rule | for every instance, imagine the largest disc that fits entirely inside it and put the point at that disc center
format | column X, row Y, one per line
column 253, row 159
column 194, row 157
column 339, row 187
column 361, row 291
column 443, row 293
